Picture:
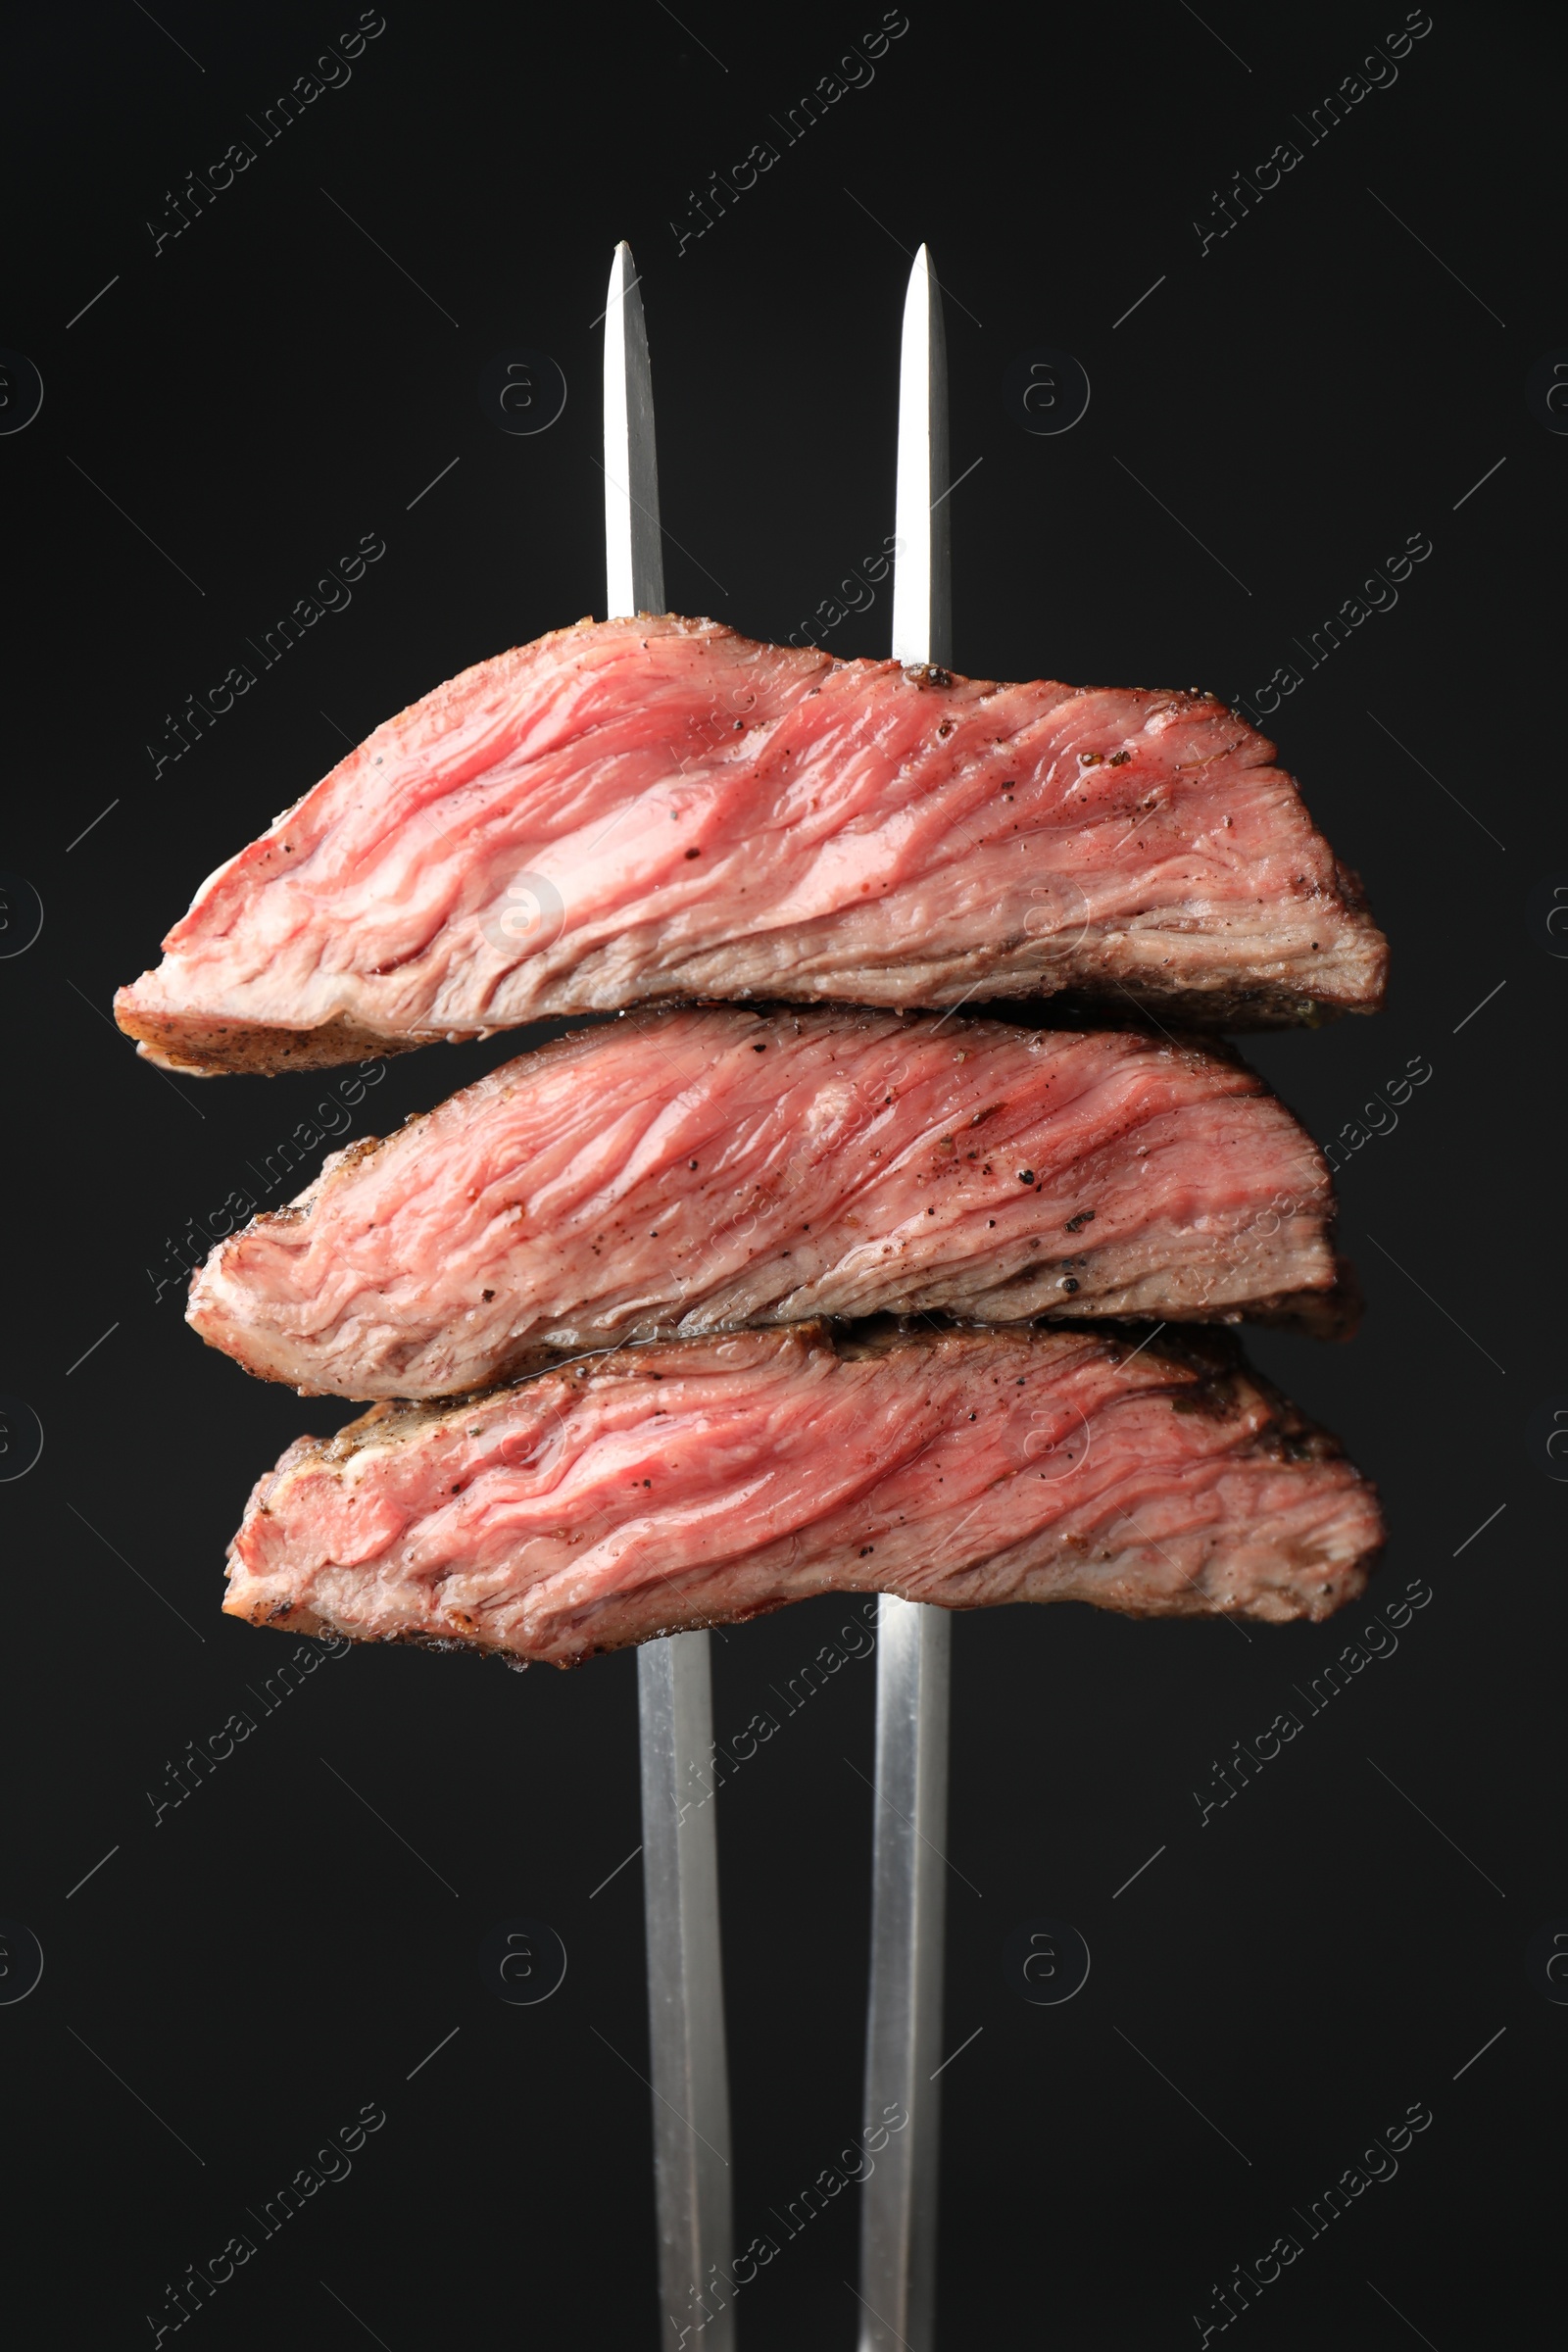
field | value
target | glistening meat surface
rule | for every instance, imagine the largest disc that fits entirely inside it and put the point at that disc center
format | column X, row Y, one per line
column 707, row 1479
column 678, row 1172
column 637, row 811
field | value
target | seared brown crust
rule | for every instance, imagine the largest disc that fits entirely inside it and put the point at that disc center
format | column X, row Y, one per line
column 1206, row 1361
column 218, row 1048
column 1258, row 1007
column 215, row 1049
column 1330, row 1314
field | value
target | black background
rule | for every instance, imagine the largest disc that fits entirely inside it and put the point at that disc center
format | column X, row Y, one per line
column 217, row 427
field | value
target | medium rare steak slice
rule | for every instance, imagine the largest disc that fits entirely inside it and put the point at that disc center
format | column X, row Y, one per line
column 649, row 810
column 678, row 1172
column 706, row 1480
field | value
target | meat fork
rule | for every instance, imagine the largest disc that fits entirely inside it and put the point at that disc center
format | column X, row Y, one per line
column 680, row 1865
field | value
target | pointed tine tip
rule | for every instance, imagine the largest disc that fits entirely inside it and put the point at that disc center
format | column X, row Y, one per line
column 923, row 287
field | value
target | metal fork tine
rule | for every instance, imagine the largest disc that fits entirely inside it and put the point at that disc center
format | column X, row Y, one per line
column 903, row 2022
column 674, row 1684
column 685, row 1985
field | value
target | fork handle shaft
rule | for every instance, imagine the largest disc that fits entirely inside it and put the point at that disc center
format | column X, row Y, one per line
column 685, row 1990
column 898, row 2209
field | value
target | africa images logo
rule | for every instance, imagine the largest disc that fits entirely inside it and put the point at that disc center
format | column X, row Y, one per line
column 527, row 917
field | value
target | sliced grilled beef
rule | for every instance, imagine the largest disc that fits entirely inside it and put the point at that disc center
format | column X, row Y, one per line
column 678, row 1172
column 705, row 1480
column 638, row 812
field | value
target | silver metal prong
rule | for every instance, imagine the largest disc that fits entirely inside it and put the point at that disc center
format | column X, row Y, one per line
column 904, row 2025
column 674, row 1689
column 634, row 555
column 685, row 1988
column 903, row 2022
